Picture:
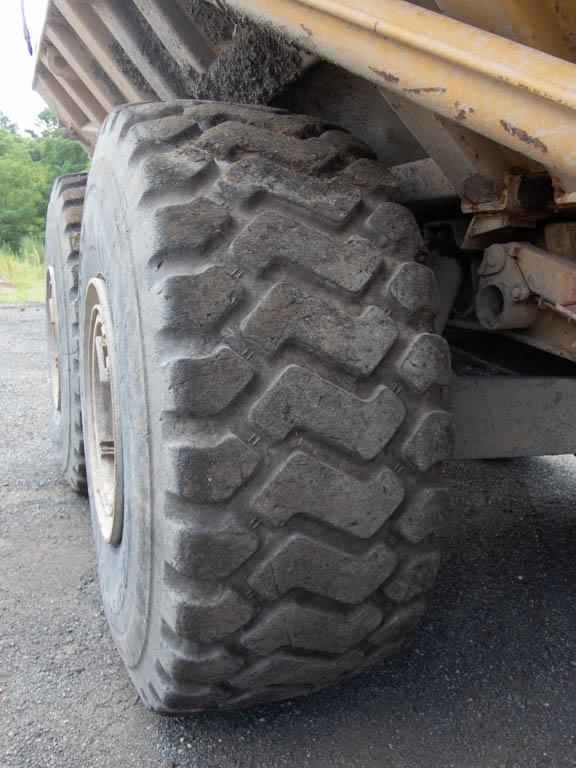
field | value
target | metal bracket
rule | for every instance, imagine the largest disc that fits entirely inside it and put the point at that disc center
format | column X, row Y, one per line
column 530, row 294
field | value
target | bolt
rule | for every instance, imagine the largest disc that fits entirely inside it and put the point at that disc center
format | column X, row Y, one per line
column 107, row 449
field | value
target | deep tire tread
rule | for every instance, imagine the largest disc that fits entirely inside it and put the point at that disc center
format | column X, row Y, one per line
column 294, row 598
column 66, row 206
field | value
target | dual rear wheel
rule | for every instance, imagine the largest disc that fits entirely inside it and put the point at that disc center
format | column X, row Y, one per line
column 262, row 399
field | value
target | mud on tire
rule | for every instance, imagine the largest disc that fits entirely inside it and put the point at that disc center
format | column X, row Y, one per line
column 62, row 269
column 281, row 402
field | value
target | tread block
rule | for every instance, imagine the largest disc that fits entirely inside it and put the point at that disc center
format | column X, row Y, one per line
column 427, row 362
column 349, row 148
column 174, row 170
column 175, row 698
column 285, row 669
column 205, row 386
column 270, row 119
column 162, row 131
column 396, row 626
column 199, row 301
column 309, row 627
column 272, row 238
column 188, row 229
column 228, row 141
column 250, row 177
column 392, row 224
column 70, row 180
column 263, row 696
column 287, row 314
column 208, row 553
column 413, row 577
column 213, row 471
column 204, row 616
column 300, row 562
column 71, row 195
column 199, row 668
column 430, row 441
column 75, row 237
column 305, row 486
column 370, row 176
column 123, row 118
column 413, row 287
column 299, row 399
column 73, row 216
column 424, row 516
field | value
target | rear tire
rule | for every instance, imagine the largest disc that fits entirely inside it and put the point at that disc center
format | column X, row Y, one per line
column 63, row 224
column 280, row 403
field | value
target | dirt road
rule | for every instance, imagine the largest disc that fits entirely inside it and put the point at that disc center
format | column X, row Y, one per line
column 489, row 680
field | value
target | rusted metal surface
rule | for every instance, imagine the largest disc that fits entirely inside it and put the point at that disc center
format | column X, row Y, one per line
column 495, row 95
column 517, row 96
column 488, row 87
column 513, row 416
column 474, row 165
column 477, row 168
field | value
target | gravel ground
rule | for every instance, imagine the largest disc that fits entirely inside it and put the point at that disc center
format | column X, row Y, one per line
column 489, row 680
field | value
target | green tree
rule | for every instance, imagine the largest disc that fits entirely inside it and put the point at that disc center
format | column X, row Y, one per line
column 28, row 167
column 5, row 122
column 48, row 123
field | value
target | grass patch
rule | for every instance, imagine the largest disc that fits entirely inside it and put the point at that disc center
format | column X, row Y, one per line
column 22, row 273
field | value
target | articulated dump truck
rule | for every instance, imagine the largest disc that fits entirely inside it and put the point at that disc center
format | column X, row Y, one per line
column 323, row 246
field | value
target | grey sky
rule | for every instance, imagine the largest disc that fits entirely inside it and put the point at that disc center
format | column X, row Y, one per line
column 17, row 99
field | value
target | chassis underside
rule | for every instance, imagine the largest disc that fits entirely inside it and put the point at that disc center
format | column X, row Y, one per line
column 488, row 163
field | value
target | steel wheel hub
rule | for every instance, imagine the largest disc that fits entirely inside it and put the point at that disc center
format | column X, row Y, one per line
column 102, row 428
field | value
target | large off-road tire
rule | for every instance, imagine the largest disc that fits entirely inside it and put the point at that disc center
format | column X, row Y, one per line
column 62, row 274
column 276, row 403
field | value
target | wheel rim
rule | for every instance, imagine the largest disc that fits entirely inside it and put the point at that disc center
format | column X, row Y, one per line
column 53, row 338
column 103, row 433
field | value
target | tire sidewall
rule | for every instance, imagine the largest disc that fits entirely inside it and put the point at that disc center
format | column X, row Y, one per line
column 124, row 570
